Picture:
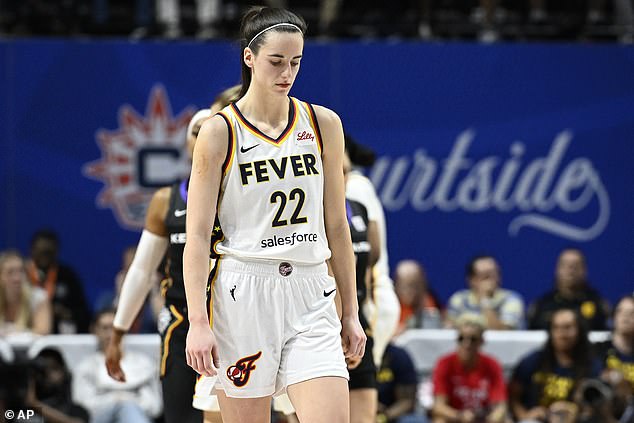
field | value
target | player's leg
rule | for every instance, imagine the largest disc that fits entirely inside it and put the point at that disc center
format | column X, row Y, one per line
column 363, row 405
column 321, row 400
column 213, row 417
column 362, row 384
column 312, row 367
column 177, row 378
column 244, row 410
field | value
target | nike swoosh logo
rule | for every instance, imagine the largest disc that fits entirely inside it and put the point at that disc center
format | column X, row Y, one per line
column 244, row 150
column 327, row 294
column 179, row 213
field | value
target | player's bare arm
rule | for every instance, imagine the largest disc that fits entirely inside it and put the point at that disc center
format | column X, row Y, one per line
column 135, row 287
column 204, row 185
column 337, row 230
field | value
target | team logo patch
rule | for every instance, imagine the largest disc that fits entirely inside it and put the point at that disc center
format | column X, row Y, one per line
column 240, row 372
column 144, row 153
column 285, row 268
column 304, row 138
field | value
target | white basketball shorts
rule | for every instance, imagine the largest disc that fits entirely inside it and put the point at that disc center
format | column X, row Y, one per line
column 276, row 325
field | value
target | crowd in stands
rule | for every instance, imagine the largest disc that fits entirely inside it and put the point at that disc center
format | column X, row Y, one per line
column 566, row 380
column 486, row 20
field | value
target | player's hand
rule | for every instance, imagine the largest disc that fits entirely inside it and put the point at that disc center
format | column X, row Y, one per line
column 486, row 288
column 201, row 348
column 353, row 363
column 113, row 360
column 353, row 337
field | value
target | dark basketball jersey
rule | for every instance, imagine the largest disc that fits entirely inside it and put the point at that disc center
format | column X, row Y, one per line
column 364, row 375
column 358, row 222
column 173, row 288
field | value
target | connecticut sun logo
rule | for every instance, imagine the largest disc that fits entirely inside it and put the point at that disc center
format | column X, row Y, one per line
column 144, row 153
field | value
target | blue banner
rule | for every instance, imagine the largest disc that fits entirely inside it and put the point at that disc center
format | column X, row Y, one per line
column 514, row 150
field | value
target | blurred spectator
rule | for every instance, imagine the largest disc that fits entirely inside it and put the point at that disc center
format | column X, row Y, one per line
column 23, row 308
column 543, row 383
column 207, row 15
column 617, row 355
column 138, row 399
column 419, row 307
column 327, row 13
column 501, row 308
column 143, row 14
column 397, row 381
column 537, row 11
column 424, row 19
column 594, row 10
column 484, row 16
column 61, row 283
column 41, row 16
column 624, row 11
column 11, row 396
column 49, row 390
column 468, row 385
column 572, row 290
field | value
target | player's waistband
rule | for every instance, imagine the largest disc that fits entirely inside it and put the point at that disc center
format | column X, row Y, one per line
column 271, row 267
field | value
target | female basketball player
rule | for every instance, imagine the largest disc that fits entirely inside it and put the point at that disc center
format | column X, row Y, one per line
column 384, row 309
column 270, row 166
column 164, row 227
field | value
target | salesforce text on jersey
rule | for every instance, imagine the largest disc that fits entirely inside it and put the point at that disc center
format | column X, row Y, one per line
column 287, row 240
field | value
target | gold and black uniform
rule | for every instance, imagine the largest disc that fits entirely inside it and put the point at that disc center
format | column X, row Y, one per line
column 363, row 376
column 177, row 378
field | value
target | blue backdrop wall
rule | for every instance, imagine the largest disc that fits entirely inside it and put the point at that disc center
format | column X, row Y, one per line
column 515, row 150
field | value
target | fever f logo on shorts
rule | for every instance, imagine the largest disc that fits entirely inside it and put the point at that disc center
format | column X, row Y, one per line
column 239, row 373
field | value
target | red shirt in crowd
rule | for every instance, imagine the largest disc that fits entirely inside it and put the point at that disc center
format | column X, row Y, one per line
column 478, row 388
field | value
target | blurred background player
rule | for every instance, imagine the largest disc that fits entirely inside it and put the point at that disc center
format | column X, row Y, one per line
column 164, row 232
column 366, row 246
column 383, row 310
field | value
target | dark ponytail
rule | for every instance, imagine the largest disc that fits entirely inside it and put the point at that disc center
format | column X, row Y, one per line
column 257, row 19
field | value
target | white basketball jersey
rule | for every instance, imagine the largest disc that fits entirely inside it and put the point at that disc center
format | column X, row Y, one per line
column 271, row 198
